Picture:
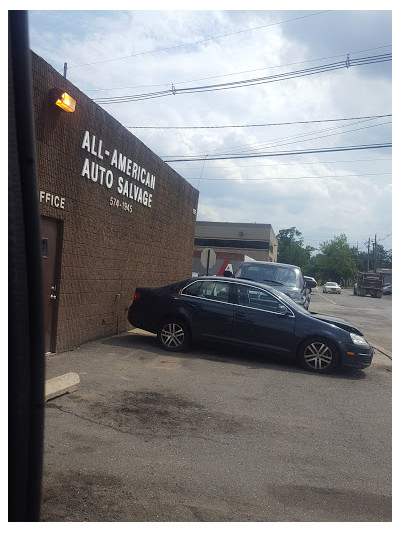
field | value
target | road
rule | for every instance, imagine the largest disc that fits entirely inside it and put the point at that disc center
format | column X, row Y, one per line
column 372, row 315
column 218, row 435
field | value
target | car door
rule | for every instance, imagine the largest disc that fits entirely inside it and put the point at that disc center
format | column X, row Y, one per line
column 209, row 307
column 258, row 321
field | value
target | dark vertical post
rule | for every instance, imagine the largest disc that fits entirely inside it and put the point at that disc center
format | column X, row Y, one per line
column 25, row 296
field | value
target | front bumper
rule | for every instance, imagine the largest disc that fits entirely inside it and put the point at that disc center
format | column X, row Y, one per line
column 358, row 356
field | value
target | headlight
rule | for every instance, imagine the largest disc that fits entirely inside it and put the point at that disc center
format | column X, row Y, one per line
column 357, row 339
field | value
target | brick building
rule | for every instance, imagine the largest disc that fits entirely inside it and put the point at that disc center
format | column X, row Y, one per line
column 114, row 215
column 233, row 242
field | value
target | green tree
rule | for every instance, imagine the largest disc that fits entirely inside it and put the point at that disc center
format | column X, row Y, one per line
column 291, row 249
column 382, row 259
column 336, row 262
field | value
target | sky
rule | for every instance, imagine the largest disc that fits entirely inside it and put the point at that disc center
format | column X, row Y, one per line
column 304, row 97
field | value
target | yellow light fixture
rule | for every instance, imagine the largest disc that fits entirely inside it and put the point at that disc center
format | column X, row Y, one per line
column 66, row 102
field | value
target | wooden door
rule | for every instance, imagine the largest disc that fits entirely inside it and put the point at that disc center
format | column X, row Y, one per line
column 49, row 230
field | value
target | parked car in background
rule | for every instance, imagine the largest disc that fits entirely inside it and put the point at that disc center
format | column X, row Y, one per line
column 285, row 278
column 387, row 289
column 248, row 314
column 331, row 286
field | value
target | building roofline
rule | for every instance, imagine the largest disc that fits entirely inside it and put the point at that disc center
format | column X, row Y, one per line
column 233, row 224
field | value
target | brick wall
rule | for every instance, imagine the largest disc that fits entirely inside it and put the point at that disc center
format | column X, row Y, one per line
column 106, row 250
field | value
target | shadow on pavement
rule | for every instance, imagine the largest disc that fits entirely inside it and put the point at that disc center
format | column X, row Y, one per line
column 226, row 355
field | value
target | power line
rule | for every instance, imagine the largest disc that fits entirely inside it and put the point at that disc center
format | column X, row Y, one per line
column 386, row 237
column 278, row 142
column 274, row 142
column 287, row 178
column 284, row 153
column 250, row 82
column 200, row 41
column 292, row 164
column 240, row 72
column 267, row 124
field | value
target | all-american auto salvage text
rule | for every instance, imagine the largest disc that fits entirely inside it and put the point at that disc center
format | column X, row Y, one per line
column 145, row 181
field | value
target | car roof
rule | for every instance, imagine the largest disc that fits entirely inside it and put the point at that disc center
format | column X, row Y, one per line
column 238, row 281
column 269, row 263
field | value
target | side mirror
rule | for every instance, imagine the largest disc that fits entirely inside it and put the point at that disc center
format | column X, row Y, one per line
column 310, row 284
column 282, row 309
column 228, row 273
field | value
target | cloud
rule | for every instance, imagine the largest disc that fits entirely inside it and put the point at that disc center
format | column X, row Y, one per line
column 186, row 51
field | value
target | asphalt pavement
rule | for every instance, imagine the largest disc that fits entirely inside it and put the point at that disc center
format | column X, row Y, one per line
column 214, row 435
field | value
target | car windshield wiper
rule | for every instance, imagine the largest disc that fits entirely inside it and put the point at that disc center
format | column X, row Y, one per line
column 273, row 281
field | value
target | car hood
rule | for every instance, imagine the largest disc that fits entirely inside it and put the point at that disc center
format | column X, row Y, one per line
column 293, row 292
column 339, row 322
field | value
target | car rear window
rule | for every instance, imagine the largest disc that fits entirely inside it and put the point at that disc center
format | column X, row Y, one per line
column 276, row 274
column 192, row 289
column 212, row 290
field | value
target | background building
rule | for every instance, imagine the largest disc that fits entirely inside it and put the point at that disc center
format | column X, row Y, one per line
column 233, row 242
column 114, row 215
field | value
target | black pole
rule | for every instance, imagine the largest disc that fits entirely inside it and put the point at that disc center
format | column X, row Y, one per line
column 208, row 260
column 25, row 296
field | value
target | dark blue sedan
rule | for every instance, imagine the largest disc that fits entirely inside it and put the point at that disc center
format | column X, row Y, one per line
column 250, row 314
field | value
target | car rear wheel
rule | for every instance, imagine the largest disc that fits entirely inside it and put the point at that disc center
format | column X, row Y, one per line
column 174, row 335
column 318, row 355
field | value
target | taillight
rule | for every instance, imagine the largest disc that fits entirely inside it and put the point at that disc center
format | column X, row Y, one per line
column 136, row 296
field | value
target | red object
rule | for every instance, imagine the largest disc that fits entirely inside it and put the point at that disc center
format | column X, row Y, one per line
column 136, row 296
column 223, row 268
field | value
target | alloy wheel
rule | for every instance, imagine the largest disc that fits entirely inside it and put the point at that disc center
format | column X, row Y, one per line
column 172, row 335
column 318, row 356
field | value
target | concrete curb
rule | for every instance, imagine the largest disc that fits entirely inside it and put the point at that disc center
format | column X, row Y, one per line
column 61, row 385
column 382, row 351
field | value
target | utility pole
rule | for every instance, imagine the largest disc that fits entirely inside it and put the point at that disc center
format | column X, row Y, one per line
column 375, row 254
column 369, row 242
column 65, row 70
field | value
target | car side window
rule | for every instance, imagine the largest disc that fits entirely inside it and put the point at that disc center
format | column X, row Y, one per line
column 214, row 290
column 257, row 299
column 193, row 289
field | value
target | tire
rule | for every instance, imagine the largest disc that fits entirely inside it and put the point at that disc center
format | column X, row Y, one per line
column 174, row 334
column 318, row 355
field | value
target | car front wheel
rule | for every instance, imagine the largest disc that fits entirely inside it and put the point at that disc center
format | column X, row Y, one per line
column 174, row 335
column 318, row 355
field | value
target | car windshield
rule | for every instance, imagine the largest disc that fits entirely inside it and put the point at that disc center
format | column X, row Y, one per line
column 331, row 284
column 275, row 274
